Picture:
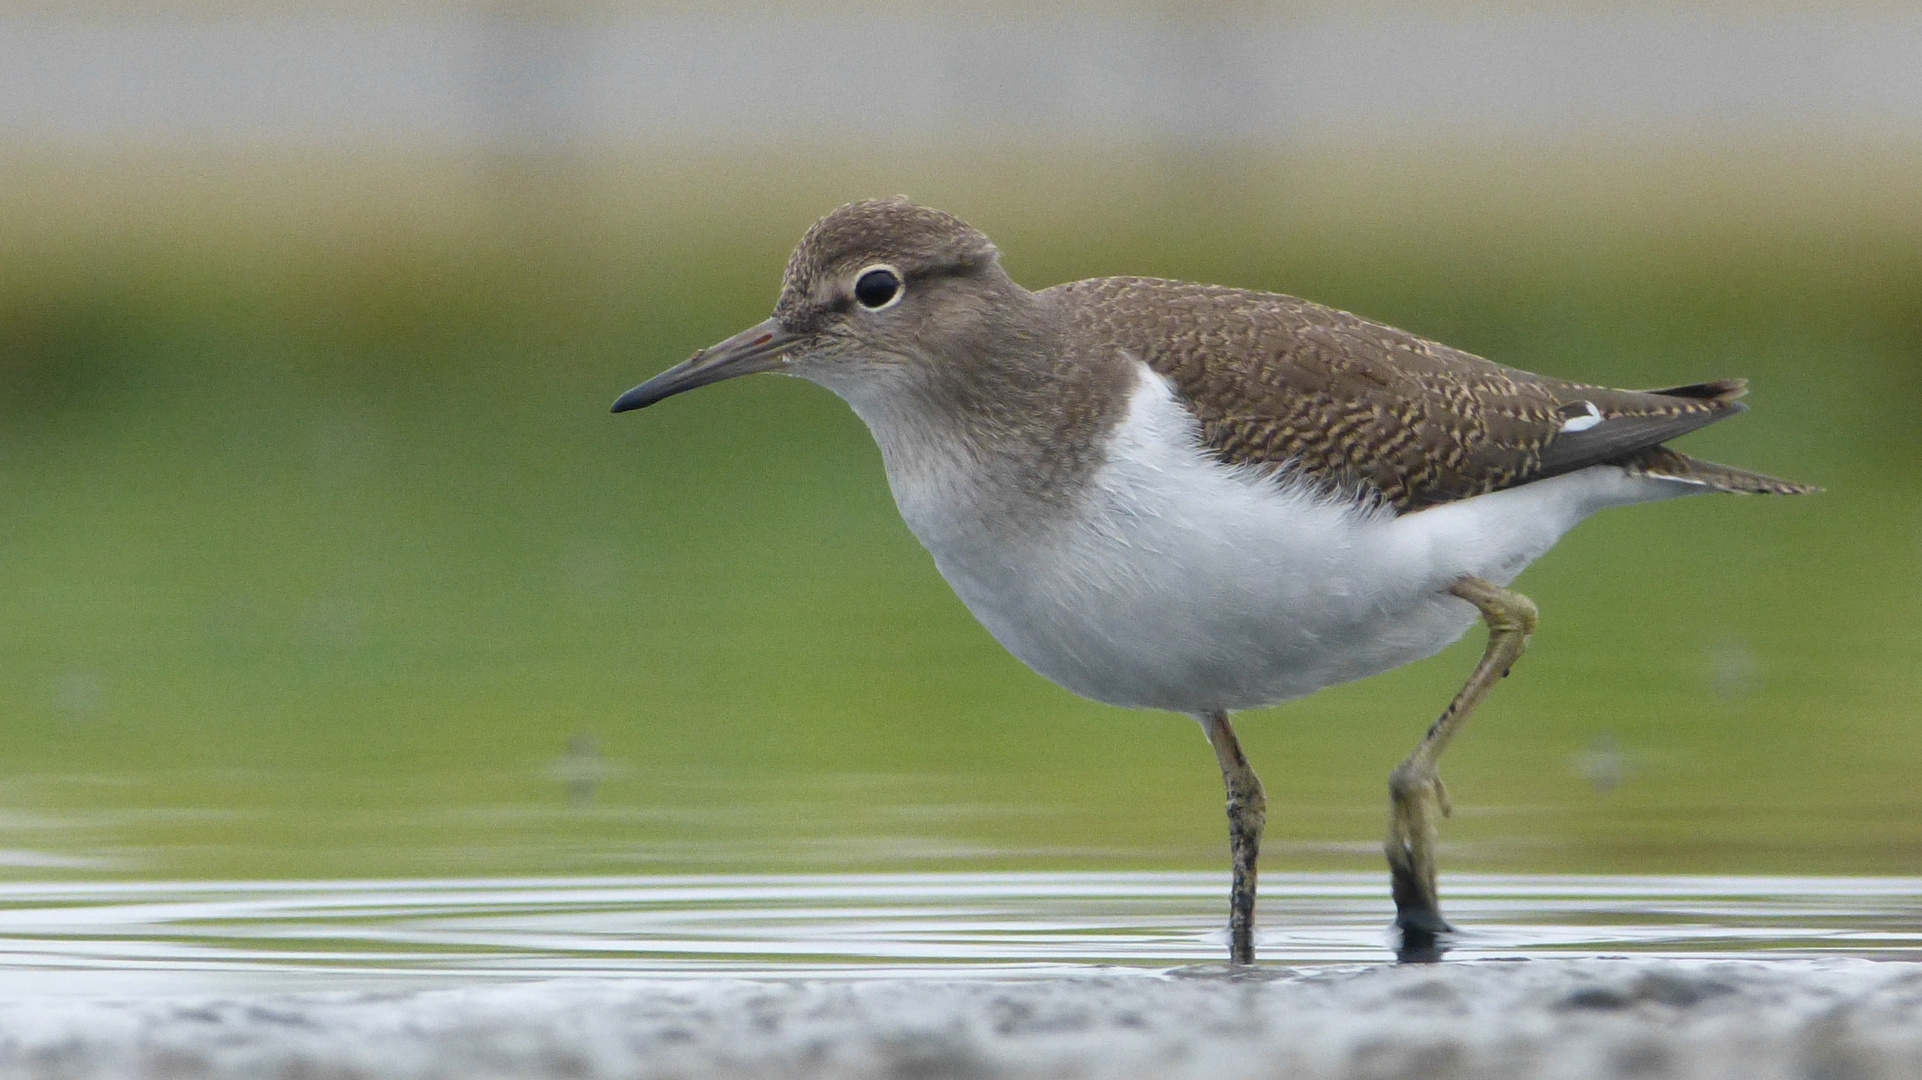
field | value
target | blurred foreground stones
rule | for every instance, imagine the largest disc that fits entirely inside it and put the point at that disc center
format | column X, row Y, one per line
column 1563, row 1019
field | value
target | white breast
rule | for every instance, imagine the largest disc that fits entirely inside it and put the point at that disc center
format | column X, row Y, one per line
column 1179, row 583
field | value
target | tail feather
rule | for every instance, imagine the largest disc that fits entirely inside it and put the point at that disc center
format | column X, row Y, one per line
column 1661, row 461
column 1719, row 390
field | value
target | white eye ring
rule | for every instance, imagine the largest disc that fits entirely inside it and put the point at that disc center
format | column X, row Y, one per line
column 893, row 276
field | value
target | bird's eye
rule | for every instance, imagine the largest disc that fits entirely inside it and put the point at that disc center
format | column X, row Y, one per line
column 877, row 287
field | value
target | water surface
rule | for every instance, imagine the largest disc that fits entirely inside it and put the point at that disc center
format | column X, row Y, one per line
column 113, row 939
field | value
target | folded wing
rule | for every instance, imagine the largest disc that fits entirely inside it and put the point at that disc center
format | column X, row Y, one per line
column 1363, row 408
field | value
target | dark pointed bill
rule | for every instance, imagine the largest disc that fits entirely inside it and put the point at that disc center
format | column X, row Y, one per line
column 758, row 348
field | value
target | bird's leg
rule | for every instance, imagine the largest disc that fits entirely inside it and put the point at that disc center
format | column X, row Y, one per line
column 1416, row 797
column 1247, row 813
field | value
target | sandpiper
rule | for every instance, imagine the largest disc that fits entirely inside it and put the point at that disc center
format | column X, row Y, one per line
column 1163, row 495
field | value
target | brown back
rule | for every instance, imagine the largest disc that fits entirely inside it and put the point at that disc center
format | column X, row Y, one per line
column 1364, row 408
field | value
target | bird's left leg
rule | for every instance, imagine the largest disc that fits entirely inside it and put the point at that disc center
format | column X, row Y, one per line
column 1415, row 792
column 1247, row 813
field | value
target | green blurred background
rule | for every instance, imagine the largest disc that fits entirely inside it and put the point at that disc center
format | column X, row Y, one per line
column 321, row 555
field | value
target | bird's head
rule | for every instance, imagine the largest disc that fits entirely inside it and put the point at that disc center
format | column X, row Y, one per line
column 875, row 292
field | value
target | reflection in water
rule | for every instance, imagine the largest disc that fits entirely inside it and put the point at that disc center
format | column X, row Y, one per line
column 105, row 938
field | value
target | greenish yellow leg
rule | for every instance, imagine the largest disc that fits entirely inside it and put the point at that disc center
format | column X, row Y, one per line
column 1247, row 813
column 1416, row 797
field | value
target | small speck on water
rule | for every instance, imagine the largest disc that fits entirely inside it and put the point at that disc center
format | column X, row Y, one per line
column 582, row 769
column 1734, row 669
column 1603, row 764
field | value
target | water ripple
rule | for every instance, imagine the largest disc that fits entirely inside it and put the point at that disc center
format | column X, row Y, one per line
column 96, row 938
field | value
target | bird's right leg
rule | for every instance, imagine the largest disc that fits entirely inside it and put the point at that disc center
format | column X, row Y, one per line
column 1416, row 794
column 1247, row 813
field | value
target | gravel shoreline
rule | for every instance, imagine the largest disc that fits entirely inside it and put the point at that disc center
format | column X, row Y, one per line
column 1755, row 1020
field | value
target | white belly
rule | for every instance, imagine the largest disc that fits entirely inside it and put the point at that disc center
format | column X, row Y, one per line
column 1184, row 585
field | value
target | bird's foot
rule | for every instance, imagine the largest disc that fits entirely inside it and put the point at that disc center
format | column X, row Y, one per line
column 1417, row 800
